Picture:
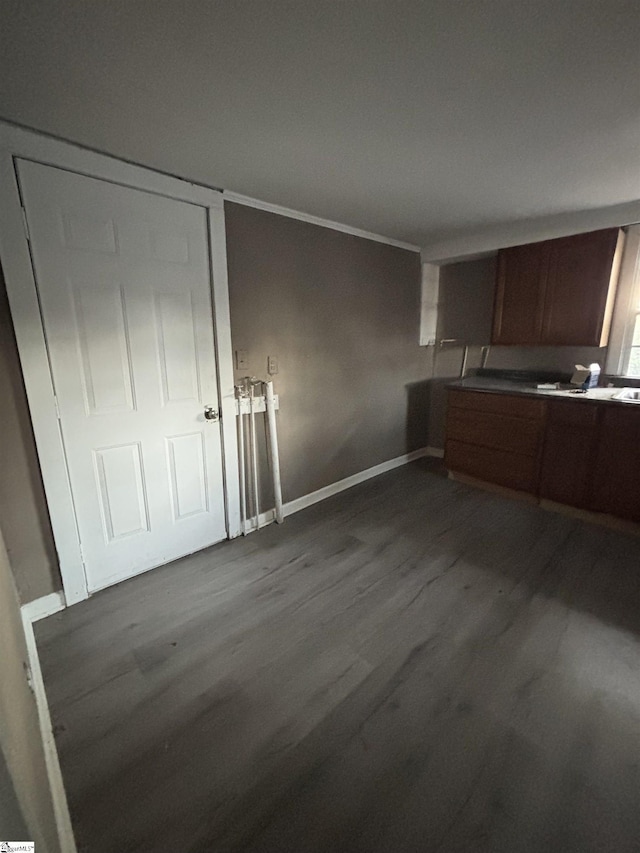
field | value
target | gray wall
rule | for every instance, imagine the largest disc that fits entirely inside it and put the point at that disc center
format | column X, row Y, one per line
column 546, row 358
column 12, row 825
column 465, row 312
column 23, row 511
column 342, row 316
column 20, row 741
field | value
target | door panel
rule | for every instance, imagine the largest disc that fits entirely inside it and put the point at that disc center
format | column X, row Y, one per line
column 124, row 286
column 177, row 347
column 188, row 474
column 123, row 497
column 103, row 338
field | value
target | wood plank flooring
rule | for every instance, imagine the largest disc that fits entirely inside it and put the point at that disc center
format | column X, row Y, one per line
column 412, row 665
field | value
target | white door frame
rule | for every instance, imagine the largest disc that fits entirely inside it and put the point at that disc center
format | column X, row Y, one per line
column 15, row 257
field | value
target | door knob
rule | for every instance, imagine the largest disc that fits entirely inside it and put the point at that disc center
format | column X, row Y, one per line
column 211, row 414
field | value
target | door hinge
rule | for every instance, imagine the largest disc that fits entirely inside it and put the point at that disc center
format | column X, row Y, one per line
column 25, row 222
column 55, row 403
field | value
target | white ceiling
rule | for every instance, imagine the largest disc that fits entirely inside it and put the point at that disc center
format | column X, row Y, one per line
column 443, row 123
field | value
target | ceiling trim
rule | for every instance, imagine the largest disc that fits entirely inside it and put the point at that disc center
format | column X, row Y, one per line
column 488, row 240
column 237, row 198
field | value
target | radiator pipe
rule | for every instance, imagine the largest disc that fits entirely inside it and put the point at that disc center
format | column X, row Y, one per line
column 465, row 356
column 274, row 453
column 465, row 352
column 485, row 355
column 241, row 461
column 254, row 452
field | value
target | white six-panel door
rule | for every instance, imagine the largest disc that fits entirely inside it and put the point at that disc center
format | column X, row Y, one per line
column 124, row 287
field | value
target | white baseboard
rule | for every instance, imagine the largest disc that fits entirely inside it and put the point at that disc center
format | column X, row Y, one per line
column 267, row 517
column 54, row 774
column 53, row 603
column 334, row 488
column 33, row 611
column 438, row 452
column 263, row 519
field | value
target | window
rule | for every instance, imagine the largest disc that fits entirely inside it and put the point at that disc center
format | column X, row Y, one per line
column 623, row 357
column 633, row 368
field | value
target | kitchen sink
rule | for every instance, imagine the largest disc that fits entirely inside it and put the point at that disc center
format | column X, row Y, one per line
column 627, row 395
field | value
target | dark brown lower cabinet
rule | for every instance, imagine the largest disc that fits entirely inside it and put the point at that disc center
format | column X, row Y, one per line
column 513, row 470
column 495, row 437
column 577, row 453
column 570, row 444
column 616, row 475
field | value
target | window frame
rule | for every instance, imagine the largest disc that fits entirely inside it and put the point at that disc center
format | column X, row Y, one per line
column 626, row 309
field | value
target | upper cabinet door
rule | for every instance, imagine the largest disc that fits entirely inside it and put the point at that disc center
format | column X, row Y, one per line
column 580, row 289
column 558, row 292
column 520, row 289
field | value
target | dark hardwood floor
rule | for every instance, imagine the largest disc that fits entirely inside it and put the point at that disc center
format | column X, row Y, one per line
column 412, row 665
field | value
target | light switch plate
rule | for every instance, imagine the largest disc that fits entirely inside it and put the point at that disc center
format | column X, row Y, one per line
column 242, row 359
column 272, row 365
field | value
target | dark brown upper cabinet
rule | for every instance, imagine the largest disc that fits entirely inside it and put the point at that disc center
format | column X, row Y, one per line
column 558, row 292
column 519, row 302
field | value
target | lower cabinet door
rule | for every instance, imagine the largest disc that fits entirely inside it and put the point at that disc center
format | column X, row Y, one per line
column 513, row 470
column 616, row 481
column 569, row 446
column 589, row 458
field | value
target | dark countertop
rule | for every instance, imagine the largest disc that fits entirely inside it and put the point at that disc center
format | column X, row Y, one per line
column 490, row 385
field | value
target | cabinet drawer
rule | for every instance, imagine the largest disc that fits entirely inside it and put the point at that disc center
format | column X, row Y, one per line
column 512, row 470
column 573, row 413
column 621, row 422
column 500, row 431
column 501, row 404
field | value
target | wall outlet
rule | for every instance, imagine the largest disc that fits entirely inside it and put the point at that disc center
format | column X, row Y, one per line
column 242, row 359
column 272, row 365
